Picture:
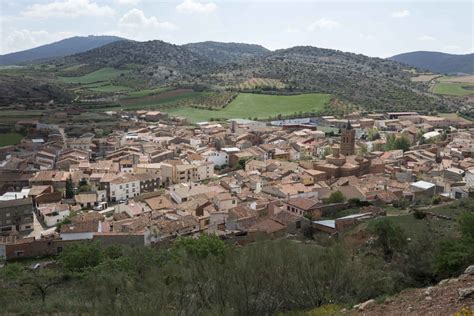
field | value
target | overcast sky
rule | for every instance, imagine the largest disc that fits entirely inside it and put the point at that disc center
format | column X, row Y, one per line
column 374, row 28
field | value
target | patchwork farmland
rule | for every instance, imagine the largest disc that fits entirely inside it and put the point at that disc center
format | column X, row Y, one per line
column 259, row 106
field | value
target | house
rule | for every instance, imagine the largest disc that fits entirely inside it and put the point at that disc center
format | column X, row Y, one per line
column 339, row 224
column 204, row 170
column 218, row 157
column 241, row 217
column 86, row 200
column 175, row 171
column 52, row 214
column 84, row 226
column 303, row 206
column 155, row 116
column 124, row 187
column 171, row 226
column 16, row 215
column 183, row 192
column 422, row 189
column 149, row 182
column 224, row 201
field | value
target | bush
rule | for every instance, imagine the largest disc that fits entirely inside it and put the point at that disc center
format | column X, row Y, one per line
column 419, row 214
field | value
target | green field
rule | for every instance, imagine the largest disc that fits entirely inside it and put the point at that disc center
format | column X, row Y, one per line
column 101, row 75
column 453, row 88
column 257, row 106
column 109, row 88
column 12, row 138
column 145, row 92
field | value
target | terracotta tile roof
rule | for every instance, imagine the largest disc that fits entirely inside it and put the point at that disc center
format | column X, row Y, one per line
column 303, row 203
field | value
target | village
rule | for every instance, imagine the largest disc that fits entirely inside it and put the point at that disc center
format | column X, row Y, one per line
column 156, row 178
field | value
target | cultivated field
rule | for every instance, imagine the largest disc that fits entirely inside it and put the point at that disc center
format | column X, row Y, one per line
column 12, row 138
column 456, row 86
column 260, row 106
column 424, row 77
column 102, row 75
column 157, row 100
column 260, row 83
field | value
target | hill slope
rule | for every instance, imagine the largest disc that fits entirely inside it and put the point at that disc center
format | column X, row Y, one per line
column 224, row 53
column 438, row 62
column 61, row 48
column 158, row 61
column 370, row 83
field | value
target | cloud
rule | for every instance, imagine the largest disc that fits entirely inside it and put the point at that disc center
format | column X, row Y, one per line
column 400, row 14
column 324, row 24
column 136, row 19
column 292, row 30
column 452, row 48
column 67, row 9
column 128, row 2
column 426, row 38
column 191, row 6
column 17, row 40
column 366, row 36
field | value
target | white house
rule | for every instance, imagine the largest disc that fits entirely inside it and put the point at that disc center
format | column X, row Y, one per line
column 80, row 231
column 218, row 158
column 52, row 214
column 124, row 187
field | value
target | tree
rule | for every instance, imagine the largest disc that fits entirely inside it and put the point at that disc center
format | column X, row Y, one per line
column 81, row 256
column 466, row 225
column 200, row 248
column 390, row 237
column 373, row 134
column 69, row 188
column 393, row 142
column 39, row 280
column 335, row 197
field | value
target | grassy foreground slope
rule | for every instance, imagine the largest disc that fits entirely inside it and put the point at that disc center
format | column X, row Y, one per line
column 257, row 106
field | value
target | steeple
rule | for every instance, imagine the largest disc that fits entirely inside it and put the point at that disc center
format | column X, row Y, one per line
column 348, row 140
column 348, row 126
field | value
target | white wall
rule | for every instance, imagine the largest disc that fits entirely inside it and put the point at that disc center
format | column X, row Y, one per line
column 124, row 191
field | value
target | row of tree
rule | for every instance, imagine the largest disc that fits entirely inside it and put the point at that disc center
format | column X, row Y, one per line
column 210, row 276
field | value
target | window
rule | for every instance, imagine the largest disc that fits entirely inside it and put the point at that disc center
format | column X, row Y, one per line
column 19, row 253
column 7, row 214
column 120, row 186
column 126, row 185
column 298, row 224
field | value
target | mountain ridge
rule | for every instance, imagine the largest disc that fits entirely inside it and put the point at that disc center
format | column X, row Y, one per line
column 438, row 62
column 68, row 46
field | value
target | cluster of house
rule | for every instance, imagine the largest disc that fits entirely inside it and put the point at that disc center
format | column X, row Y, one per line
column 154, row 181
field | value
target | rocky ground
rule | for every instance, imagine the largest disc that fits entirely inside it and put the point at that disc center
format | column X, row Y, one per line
column 450, row 297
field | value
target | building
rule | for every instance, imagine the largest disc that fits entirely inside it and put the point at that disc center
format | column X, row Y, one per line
column 16, row 215
column 149, row 182
column 52, row 214
column 303, row 206
column 124, row 187
column 348, row 140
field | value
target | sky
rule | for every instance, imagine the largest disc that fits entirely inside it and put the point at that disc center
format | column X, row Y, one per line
column 375, row 28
